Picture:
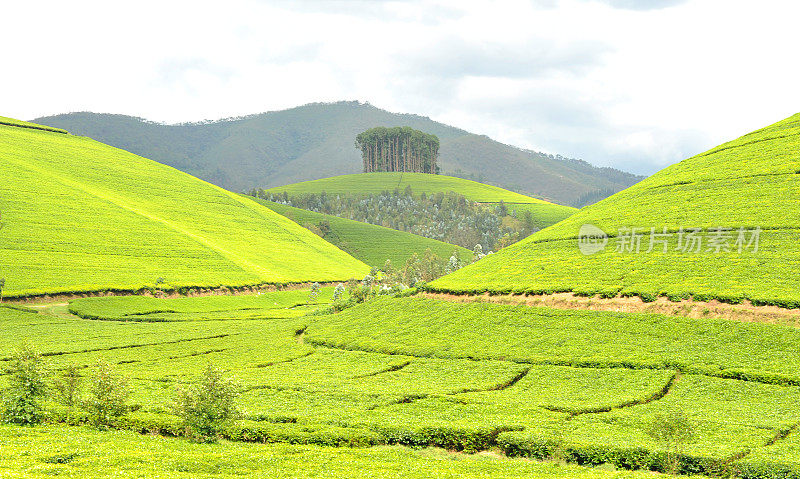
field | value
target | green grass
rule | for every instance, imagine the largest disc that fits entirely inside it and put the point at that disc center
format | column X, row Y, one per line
column 534, row 382
column 369, row 243
column 544, row 213
column 79, row 215
column 749, row 182
column 85, row 453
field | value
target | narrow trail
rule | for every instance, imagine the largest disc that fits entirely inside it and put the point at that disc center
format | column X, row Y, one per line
column 390, row 369
column 745, row 312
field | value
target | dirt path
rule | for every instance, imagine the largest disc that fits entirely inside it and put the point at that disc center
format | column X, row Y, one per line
column 745, row 312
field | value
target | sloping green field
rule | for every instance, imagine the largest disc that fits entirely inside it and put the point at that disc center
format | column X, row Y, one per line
column 369, row 243
column 749, row 183
column 544, row 213
column 79, row 216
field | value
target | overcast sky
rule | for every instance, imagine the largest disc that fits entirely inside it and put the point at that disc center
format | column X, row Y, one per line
column 634, row 84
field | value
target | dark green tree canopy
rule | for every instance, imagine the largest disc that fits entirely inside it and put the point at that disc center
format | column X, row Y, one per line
column 400, row 148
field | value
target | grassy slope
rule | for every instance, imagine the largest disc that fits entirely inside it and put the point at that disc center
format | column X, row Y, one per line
column 371, row 244
column 79, row 215
column 753, row 181
column 316, row 141
column 544, row 213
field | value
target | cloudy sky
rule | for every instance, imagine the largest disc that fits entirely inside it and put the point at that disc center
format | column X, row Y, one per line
column 635, row 84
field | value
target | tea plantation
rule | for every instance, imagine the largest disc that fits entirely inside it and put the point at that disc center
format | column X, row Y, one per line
column 721, row 225
column 78, row 215
column 532, row 382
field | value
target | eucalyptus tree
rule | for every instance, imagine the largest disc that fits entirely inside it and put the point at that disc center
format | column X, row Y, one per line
column 398, row 149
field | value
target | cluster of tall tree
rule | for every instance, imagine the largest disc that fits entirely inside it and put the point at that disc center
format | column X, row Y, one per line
column 398, row 149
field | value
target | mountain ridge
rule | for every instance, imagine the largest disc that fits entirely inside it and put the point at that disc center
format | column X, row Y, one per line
column 314, row 141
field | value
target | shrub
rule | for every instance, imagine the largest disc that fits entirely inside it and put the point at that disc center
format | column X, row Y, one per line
column 67, row 388
column 208, row 407
column 673, row 429
column 314, row 293
column 26, row 388
column 108, row 394
column 338, row 292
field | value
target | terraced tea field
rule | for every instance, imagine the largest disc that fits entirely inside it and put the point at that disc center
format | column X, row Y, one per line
column 746, row 185
column 543, row 212
column 81, row 216
column 369, row 243
column 533, row 382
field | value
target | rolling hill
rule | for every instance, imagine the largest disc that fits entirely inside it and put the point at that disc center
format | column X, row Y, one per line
column 81, row 216
column 316, row 141
column 544, row 213
column 369, row 243
column 732, row 233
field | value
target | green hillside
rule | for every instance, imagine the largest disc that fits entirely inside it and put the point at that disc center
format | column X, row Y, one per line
column 316, row 141
column 371, row 244
column 543, row 212
column 79, row 215
column 752, row 182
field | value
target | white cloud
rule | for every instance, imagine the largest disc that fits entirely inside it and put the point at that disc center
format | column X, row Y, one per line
column 636, row 85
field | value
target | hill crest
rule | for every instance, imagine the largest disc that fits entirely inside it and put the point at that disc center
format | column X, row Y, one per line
column 316, row 141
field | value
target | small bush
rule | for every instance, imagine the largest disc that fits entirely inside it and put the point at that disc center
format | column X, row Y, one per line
column 26, row 388
column 108, row 395
column 208, row 407
column 314, row 293
column 673, row 429
column 67, row 388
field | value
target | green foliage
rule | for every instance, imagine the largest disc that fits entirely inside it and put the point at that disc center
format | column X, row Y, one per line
column 398, row 149
column 156, row 222
column 581, row 338
column 108, row 395
column 26, row 391
column 673, row 429
column 67, row 388
column 414, row 195
column 582, row 386
column 99, row 455
column 313, row 294
column 208, row 407
column 746, row 183
column 372, row 244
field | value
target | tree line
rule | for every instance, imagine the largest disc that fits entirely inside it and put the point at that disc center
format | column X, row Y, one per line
column 444, row 216
column 398, row 149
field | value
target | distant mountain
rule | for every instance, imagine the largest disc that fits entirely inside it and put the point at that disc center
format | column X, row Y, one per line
column 317, row 141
